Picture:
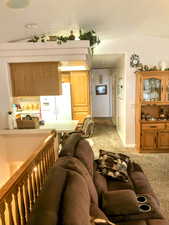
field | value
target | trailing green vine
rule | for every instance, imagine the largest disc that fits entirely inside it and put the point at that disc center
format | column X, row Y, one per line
column 89, row 35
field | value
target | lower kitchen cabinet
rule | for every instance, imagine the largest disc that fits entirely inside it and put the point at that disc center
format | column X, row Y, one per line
column 155, row 138
column 163, row 139
column 148, row 140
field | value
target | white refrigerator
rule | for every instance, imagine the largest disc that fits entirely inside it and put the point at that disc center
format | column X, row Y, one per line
column 57, row 107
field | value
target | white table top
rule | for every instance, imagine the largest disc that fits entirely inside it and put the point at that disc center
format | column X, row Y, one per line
column 61, row 125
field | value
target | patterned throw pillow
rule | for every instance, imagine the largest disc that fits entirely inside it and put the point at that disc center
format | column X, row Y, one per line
column 113, row 165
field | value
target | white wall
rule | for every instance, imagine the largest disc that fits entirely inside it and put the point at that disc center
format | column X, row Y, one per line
column 120, row 113
column 102, row 104
column 151, row 50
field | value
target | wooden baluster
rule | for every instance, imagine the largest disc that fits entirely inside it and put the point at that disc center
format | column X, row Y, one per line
column 40, row 173
column 31, row 192
column 45, row 162
column 2, row 213
column 48, row 158
column 34, row 185
column 9, row 201
column 53, row 154
column 27, row 200
column 39, row 176
column 23, row 216
column 44, row 165
column 42, row 169
column 17, row 212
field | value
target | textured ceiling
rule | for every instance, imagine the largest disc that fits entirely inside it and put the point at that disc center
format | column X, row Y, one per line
column 113, row 61
column 111, row 18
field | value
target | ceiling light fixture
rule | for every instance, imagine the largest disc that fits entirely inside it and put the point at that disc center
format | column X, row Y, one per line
column 72, row 68
column 17, row 4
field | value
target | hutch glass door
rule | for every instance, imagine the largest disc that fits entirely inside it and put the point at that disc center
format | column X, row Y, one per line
column 152, row 88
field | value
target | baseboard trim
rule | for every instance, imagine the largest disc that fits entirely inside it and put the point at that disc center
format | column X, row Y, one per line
column 129, row 145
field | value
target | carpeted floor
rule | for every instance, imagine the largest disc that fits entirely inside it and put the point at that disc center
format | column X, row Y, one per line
column 156, row 166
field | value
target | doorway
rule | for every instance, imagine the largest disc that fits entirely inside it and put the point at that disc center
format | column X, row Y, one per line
column 107, row 104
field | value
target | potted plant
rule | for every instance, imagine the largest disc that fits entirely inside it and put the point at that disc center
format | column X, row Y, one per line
column 91, row 36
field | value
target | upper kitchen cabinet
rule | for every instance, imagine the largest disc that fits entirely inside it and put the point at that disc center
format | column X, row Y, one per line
column 35, row 79
column 80, row 94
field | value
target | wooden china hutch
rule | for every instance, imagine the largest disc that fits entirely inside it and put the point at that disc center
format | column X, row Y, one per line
column 152, row 111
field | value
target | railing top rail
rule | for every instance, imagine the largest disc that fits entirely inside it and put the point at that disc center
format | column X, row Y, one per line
column 25, row 168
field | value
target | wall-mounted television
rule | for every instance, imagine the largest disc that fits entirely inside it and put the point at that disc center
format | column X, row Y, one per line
column 101, row 89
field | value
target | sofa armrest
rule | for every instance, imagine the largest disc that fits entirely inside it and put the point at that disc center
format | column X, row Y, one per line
column 120, row 202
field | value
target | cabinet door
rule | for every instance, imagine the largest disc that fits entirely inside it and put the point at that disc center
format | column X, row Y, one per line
column 163, row 139
column 152, row 89
column 35, row 79
column 80, row 94
column 148, row 140
column 167, row 89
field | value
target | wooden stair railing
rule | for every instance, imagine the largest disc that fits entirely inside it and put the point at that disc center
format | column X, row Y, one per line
column 19, row 194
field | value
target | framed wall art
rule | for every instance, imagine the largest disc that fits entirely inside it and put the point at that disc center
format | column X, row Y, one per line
column 101, row 89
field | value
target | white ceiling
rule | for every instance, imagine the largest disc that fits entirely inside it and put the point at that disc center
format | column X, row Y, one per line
column 112, row 61
column 111, row 18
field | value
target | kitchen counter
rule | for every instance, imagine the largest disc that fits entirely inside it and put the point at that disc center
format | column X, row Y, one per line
column 24, row 131
column 60, row 126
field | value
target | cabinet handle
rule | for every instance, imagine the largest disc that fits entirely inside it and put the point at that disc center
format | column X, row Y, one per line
column 155, row 141
column 153, row 126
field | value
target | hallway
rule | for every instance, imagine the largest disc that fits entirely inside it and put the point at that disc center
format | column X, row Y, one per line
column 106, row 137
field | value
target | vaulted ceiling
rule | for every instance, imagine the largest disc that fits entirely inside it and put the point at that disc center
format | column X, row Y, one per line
column 110, row 19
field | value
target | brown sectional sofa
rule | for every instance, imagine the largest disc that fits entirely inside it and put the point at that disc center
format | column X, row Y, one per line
column 75, row 193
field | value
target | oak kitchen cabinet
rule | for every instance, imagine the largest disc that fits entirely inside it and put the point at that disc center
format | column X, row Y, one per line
column 155, row 137
column 35, row 79
column 80, row 93
column 152, row 111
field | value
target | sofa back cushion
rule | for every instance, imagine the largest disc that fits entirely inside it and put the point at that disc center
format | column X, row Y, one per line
column 69, row 144
column 46, row 209
column 73, row 164
column 78, row 147
column 85, row 154
column 75, row 206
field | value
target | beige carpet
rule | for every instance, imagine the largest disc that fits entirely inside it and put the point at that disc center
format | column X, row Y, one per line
column 156, row 166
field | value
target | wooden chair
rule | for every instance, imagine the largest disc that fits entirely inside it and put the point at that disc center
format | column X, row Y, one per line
column 86, row 130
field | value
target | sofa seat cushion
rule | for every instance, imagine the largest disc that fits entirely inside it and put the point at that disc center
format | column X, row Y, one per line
column 119, row 185
column 134, row 222
column 145, row 222
column 123, row 205
column 158, row 221
column 141, row 184
column 75, row 206
column 100, row 182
